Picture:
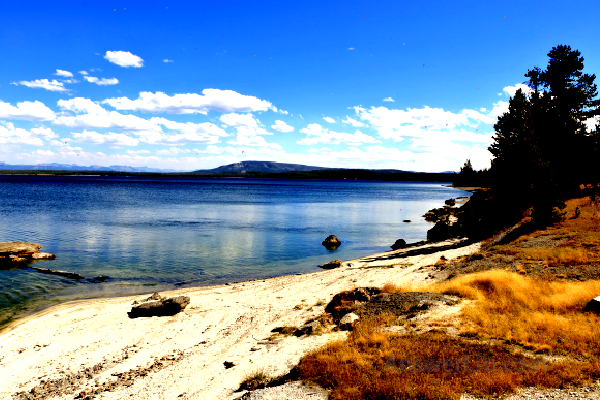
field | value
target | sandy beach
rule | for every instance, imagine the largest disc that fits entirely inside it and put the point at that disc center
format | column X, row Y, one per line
column 95, row 344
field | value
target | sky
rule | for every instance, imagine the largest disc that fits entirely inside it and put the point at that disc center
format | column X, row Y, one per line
column 186, row 86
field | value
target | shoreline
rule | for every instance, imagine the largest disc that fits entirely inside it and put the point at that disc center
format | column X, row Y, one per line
column 228, row 322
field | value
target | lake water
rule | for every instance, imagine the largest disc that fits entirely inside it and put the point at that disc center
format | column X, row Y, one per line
column 147, row 234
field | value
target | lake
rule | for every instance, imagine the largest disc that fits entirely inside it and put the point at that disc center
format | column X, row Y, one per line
column 150, row 234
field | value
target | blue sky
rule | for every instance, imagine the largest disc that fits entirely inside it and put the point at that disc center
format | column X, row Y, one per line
column 349, row 84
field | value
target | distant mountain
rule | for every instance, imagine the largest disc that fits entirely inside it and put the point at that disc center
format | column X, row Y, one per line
column 275, row 167
column 74, row 167
column 260, row 166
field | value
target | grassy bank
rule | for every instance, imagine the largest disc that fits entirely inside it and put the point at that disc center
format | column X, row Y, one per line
column 525, row 307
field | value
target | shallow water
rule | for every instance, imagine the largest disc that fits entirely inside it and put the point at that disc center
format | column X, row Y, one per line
column 147, row 234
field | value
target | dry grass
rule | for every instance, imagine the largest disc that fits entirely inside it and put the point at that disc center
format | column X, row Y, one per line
column 544, row 316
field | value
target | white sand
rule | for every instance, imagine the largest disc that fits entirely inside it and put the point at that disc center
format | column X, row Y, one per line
column 221, row 323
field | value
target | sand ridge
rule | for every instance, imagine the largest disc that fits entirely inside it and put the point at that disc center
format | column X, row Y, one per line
column 182, row 356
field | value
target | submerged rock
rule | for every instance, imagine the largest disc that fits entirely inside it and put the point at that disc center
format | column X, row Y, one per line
column 59, row 273
column 332, row 242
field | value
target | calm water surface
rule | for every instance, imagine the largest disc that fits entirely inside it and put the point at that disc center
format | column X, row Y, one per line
column 147, row 234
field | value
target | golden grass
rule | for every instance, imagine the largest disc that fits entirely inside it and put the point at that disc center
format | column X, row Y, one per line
column 537, row 314
column 542, row 316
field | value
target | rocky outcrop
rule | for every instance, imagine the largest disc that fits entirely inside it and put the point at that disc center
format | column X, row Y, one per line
column 400, row 243
column 347, row 302
column 332, row 242
column 59, row 273
column 332, row 264
column 12, row 253
column 157, row 305
column 405, row 304
column 369, row 301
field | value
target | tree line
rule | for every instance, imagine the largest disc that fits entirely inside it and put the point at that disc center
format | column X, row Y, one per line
column 542, row 150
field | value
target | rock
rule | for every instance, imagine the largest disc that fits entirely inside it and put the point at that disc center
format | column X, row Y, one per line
column 593, row 305
column 400, row 243
column 157, row 305
column 440, row 231
column 346, row 302
column 348, row 321
column 332, row 264
column 450, row 202
column 19, row 247
column 332, row 242
column 59, row 273
column 406, row 220
column 101, row 278
column 12, row 253
column 43, row 256
column 228, row 364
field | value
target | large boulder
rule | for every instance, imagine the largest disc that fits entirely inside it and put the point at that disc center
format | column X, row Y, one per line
column 156, row 305
column 400, row 243
column 332, row 242
column 593, row 305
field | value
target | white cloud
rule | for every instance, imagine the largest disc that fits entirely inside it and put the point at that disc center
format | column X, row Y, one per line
column 283, row 112
column 243, row 140
column 43, row 132
column 111, row 138
column 111, row 120
column 330, row 120
column 124, row 59
column 66, row 74
column 27, row 111
column 351, row 48
column 498, row 110
column 591, row 123
column 83, row 72
column 172, row 151
column 318, row 134
column 43, row 152
column 281, row 126
column 11, row 135
column 166, row 60
column 54, row 85
column 211, row 100
column 80, row 104
column 482, row 109
column 70, row 80
column 353, row 122
column 203, row 133
column 138, row 151
column 239, row 120
column 389, row 99
column 397, row 124
column 512, row 90
column 101, row 82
